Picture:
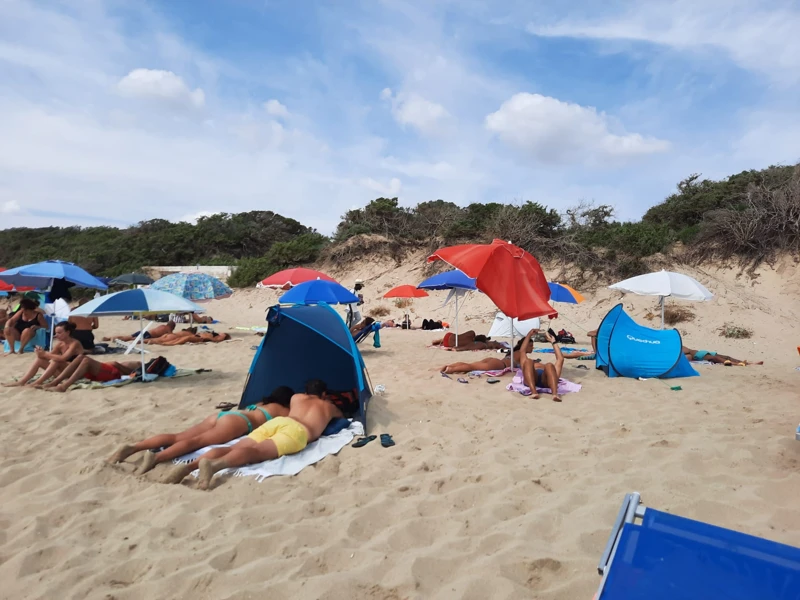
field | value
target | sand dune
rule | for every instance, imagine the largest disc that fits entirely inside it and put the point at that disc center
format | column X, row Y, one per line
column 487, row 494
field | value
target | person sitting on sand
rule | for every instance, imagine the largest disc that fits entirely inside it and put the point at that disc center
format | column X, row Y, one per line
column 93, row 370
column 23, row 324
column 84, row 328
column 309, row 415
column 156, row 332
column 215, row 429
column 65, row 350
column 182, row 338
column 524, row 346
column 716, row 358
column 545, row 377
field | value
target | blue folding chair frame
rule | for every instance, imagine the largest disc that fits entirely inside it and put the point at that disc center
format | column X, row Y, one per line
column 671, row 557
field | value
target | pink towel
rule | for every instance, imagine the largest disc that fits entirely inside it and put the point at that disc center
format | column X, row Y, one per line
column 564, row 386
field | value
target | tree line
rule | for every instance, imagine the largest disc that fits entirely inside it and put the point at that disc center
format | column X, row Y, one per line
column 751, row 216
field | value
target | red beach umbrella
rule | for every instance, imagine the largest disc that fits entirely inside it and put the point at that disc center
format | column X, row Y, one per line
column 290, row 277
column 7, row 287
column 510, row 276
column 405, row 291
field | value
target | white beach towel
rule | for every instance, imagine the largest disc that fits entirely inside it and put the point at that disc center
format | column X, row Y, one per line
column 291, row 464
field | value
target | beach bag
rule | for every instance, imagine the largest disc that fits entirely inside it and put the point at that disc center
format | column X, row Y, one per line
column 157, row 366
column 565, row 337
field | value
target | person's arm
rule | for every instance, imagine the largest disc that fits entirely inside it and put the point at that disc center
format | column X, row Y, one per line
column 14, row 318
column 95, row 322
column 559, row 355
column 40, row 320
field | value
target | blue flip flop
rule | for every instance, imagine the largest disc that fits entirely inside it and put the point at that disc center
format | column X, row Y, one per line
column 386, row 440
column 363, row 441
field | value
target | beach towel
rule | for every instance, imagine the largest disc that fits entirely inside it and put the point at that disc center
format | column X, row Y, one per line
column 85, row 384
column 564, row 386
column 291, row 464
column 490, row 373
column 563, row 350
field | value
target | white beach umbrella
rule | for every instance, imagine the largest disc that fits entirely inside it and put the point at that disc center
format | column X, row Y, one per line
column 505, row 326
column 665, row 283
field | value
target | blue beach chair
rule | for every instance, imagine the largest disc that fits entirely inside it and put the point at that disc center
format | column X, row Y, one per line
column 365, row 333
column 666, row 557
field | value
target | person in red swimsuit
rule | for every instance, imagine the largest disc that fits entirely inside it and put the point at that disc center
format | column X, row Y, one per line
column 93, row 370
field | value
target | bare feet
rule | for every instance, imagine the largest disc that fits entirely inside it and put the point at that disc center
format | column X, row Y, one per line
column 121, row 454
column 556, row 398
column 59, row 388
column 208, row 468
column 178, row 473
column 148, row 463
column 15, row 384
column 535, row 396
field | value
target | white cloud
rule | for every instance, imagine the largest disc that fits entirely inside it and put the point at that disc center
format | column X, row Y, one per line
column 386, row 191
column 276, row 109
column 160, row 85
column 10, row 207
column 757, row 35
column 557, row 132
column 194, row 217
column 412, row 109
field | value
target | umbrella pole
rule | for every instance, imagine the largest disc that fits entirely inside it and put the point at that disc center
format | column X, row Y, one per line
column 141, row 343
column 456, row 319
column 662, row 312
column 512, row 344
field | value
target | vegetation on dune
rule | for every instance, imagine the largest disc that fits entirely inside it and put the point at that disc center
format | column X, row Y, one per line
column 751, row 216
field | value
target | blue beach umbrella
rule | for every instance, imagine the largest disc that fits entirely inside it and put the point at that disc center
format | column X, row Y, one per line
column 42, row 275
column 197, row 287
column 561, row 292
column 317, row 291
column 450, row 280
column 136, row 303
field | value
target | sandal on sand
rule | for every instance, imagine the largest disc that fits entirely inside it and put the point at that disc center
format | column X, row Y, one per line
column 462, row 380
column 443, row 374
column 386, row 440
column 493, row 380
column 361, row 442
column 225, row 406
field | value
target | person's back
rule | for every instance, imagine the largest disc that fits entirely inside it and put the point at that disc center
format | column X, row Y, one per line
column 312, row 411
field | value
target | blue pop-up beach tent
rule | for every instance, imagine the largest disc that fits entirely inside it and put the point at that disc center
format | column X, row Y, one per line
column 303, row 343
column 627, row 349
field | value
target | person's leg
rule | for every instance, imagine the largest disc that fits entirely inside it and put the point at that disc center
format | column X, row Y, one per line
column 240, row 455
column 87, row 365
column 529, row 377
column 551, row 378
column 12, row 337
column 162, row 440
column 52, row 370
column 67, row 372
column 25, row 337
column 39, row 363
column 180, row 472
column 224, row 429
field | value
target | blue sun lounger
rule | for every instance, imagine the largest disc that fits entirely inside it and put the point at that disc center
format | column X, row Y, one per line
column 365, row 333
column 666, row 557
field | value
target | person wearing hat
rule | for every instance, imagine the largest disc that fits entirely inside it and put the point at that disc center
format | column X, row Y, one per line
column 353, row 314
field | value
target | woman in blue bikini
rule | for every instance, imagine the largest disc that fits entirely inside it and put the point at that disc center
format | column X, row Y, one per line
column 215, row 429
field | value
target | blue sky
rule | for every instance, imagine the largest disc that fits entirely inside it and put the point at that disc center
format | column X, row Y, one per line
column 115, row 111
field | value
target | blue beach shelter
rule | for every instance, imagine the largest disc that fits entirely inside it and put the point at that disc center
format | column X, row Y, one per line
column 627, row 349
column 308, row 342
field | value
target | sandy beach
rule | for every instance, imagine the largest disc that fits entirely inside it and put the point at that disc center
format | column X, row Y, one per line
column 487, row 494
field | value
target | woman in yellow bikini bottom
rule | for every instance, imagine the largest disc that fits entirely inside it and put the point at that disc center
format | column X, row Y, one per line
column 215, row 429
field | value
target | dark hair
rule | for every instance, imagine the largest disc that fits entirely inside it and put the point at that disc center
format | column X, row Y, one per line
column 316, row 387
column 519, row 344
column 69, row 327
column 28, row 304
column 280, row 395
column 482, row 338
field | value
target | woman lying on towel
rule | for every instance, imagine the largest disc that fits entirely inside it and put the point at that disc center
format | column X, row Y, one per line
column 716, row 358
column 65, row 350
column 84, row 367
column 215, row 429
column 524, row 346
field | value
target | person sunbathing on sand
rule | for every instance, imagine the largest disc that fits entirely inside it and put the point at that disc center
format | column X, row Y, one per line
column 545, row 377
column 156, row 332
column 65, row 350
column 524, row 346
column 481, row 342
column 716, row 358
column 93, row 370
column 215, row 429
column 179, row 339
column 309, row 414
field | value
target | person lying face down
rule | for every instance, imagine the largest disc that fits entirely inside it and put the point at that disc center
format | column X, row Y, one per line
column 65, row 350
column 309, row 414
column 214, row 429
column 185, row 337
column 156, row 332
column 523, row 347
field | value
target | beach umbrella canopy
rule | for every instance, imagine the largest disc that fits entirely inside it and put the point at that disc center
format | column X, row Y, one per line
column 664, row 283
column 561, row 292
column 405, row 291
column 197, row 287
column 44, row 274
column 290, row 277
column 131, row 279
column 7, row 287
column 136, row 302
column 504, row 326
column 511, row 277
column 449, row 280
column 319, row 290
